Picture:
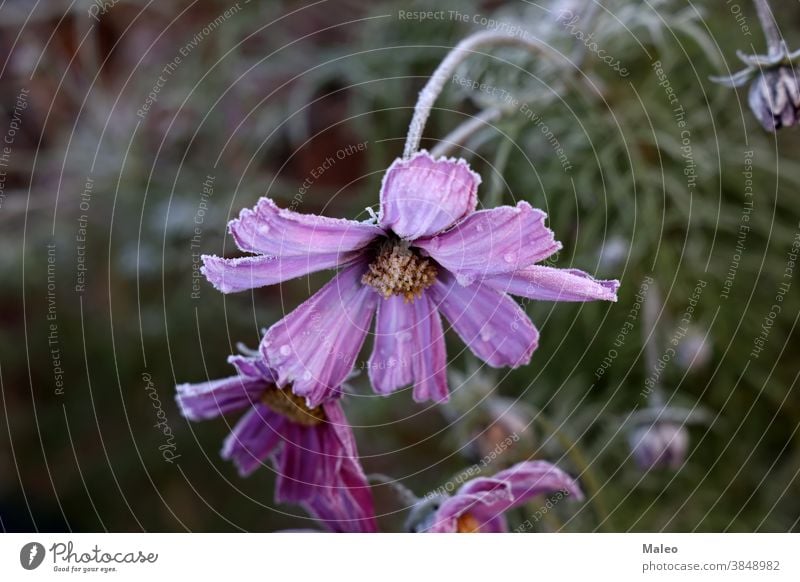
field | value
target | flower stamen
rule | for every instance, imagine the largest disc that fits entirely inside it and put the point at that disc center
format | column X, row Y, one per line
column 467, row 523
column 399, row 270
column 293, row 407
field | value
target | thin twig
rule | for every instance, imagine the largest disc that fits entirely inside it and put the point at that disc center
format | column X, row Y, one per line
column 769, row 26
column 444, row 71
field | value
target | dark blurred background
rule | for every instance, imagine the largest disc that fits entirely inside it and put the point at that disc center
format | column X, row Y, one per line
column 104, row 213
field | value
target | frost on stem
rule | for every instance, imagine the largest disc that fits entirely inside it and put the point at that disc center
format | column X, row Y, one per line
column 445, row 70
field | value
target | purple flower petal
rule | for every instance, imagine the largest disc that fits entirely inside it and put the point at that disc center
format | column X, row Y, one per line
column 526, row 480
column 549, row 284
column 269, row 230
column 211, row 399
column 499, row 240
column 486, row 499
column 352, row 483
column 254, row 438
column 319, row 469
column 423, row 196
column 315, row 346
column 302, row 464
column 252, row 367
column 233, row 275
column 492, row 325
column 486, row 492
column 409, row 348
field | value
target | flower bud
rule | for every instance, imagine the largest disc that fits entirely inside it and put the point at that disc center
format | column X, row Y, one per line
column 662, row 444
column 775, row 98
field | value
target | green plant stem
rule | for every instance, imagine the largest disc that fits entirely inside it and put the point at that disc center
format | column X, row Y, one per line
column 575, row 454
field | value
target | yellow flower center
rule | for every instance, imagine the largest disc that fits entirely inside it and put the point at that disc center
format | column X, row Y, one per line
column 399, row 270
column 293, row 407
column 466, row 523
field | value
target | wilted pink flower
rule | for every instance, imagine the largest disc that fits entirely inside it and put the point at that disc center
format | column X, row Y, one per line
column 429, row 252
column 478, row 506
column 313, row 449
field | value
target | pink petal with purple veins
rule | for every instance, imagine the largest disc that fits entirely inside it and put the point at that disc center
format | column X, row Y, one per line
column 252, row 367
column 550, row 284
column 269, row 230
column 498, row 240
column 422, row 196
column 301, row 464
column 487, row 499
column 254, row 438
column 409, row 348
column 315, row 346
column 211, row 399
column 486, row 492
column 489, row 322
column 319, row 469
column 233, row 275
column 526, row 480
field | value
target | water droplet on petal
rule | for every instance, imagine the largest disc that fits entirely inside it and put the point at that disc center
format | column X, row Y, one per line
column 486, row 334
column 263, row 228
column 307, row 376
column 285, row 350
column 479, row 227
column 509, row 257
column 464, row 280
column 405, row 336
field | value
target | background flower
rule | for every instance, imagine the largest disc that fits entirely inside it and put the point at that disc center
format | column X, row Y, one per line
column 313, row 450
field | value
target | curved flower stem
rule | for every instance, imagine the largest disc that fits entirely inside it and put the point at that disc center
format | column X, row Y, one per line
column 444, row 71
column 769, row 26
column 406, row 495
column 575, row 454
column 464, row 131
column 652, row 305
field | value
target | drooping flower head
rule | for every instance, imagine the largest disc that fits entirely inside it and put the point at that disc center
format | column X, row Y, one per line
column 479, row 505
column 312, row 449
column 430, row 252
column 774, row 98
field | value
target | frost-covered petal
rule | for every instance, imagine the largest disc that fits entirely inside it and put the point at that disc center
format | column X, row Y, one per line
column 550, row 284
column 489, row 322
column 498, row 240
column 240, row 274
column 485, row 500
column 484, row 492
column 254, row 438
column 302, row 465
column 422, row 196
column 525, row 480
column 319, row 469
column 315, row 346
column 354, row 510
column 254, row 367
column 409, row 348
column 206, row 400
column 269, row 230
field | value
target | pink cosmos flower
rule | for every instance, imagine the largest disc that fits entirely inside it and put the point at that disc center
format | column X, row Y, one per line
column 431, row 251
column 478, row 506
column 313, row 449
